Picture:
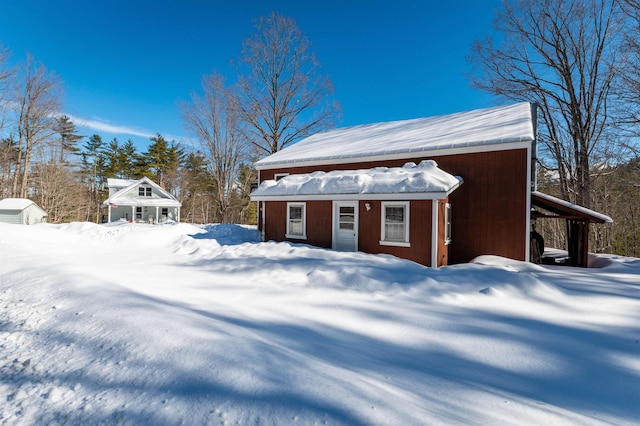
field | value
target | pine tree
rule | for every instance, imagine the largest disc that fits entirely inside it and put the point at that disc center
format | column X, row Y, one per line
column 197, row 202
column 68, row 136
column 162, row 160
column 121, row 161
column 93, row 173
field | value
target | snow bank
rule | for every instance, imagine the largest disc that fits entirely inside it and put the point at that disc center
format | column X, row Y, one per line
column 184, row 324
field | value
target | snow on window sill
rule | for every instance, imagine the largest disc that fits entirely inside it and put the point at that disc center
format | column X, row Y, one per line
column 296, row 237
column 395, row 243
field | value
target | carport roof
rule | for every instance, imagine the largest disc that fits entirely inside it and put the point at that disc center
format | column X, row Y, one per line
column 566, row 210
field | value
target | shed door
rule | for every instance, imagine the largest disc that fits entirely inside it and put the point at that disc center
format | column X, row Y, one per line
column 345, row 225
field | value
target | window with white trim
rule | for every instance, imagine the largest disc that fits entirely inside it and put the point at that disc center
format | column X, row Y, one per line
column 144, row 191
column 447, row 223
column 296, row 220
column 394, row 229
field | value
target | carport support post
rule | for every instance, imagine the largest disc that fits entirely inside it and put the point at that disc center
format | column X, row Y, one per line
column 109, row 213
column 585, row 244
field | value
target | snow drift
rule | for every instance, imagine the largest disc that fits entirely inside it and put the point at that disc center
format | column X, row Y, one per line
column 141, row 324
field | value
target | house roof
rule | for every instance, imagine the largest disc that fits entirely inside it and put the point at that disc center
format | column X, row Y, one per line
column 422, row 181
column 15, row 204
column 120, row 183
column 120, row 198
column 489, row 126
column 565, row 209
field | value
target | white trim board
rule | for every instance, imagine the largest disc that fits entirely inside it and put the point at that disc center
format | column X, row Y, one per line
column 359, row 197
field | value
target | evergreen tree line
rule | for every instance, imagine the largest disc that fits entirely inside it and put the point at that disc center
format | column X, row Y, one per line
column 184, row 174
column 278, row 98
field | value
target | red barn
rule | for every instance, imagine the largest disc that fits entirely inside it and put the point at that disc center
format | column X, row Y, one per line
column 434, row 190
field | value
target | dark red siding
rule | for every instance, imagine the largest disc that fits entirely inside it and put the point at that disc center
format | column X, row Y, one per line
column 320, row 227
column 318, row 217
column 488, row 209
column 419, row 228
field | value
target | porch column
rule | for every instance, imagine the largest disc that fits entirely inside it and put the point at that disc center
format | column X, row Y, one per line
column 133, row 214
column 108, row 213
column 157, row 218
column 177, row 214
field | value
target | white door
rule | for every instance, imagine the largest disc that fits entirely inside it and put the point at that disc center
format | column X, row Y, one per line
column 345, row 225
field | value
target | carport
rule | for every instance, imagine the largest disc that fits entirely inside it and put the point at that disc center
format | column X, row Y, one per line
column 577, row 223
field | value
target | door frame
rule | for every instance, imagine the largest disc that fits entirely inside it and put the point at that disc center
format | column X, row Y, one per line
column 335, row 220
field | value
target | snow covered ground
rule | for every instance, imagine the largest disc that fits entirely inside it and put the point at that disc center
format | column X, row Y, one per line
column 179, row 324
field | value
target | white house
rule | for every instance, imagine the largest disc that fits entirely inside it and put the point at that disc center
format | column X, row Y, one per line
column 140, row 201
column 21, row 211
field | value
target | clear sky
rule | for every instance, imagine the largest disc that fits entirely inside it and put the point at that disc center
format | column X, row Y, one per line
column 127, row 64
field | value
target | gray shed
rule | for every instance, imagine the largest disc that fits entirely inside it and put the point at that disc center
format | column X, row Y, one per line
column 21, row 211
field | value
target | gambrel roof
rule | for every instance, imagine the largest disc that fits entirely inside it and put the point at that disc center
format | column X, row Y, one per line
column 128, row 196
column 489, row 126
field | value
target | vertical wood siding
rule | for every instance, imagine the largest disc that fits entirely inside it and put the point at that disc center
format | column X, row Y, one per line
column 488, row 209
column 318, row 222
column 419, row 228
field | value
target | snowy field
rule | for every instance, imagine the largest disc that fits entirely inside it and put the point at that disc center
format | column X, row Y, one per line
column 179, row 324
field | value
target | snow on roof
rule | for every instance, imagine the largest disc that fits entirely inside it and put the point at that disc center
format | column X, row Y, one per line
column 15, row 203
column 148, row 202
column 119, row 183
column 497, row 125
column 423, row 181
column 121, row 198
column 571, row 206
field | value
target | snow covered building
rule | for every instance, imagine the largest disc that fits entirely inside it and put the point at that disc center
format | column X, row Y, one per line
column 21, row 211
column 141, row 201
column 434, row 190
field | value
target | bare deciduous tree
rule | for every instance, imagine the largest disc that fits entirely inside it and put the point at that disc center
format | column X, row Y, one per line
column 629, row 90
column 5, row 74
column 58, row 191
column 37, row 100
column 8, row 159
column 564, row 55
column 283, row 97
column 213, row 120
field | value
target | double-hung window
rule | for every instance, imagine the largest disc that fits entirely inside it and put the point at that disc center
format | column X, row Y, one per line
column 296, row 220
column 395, row 224
column 144, row 191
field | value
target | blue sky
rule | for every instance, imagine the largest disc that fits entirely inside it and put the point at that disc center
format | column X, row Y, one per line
column 126, row 64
